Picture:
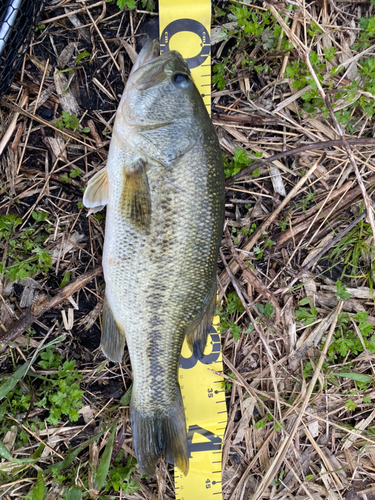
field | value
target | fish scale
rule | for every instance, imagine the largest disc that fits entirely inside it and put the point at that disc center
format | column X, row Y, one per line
column 164, row 191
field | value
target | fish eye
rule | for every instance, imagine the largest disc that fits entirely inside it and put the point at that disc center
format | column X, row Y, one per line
column 180, row 80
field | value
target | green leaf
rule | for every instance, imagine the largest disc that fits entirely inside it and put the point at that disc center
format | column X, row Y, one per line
column 219, row 81
column 13, row 380
column 235, row 330
column 38, row 489
column 74, row 494
column 125, row 400
column 250, row 328
column 304, row 314
column 38, row 451
column 358, row 377
column 59, row 124
column 341, row 292
column 103, row 467
column 81, row 56
column 75, row 172
column 4, row 452
column 305, row 301
column 65, row 279
column 39, row 216
column 234, row 303
column 351, row 405
column 268, row 310
column 260, row 424
column 130, row 4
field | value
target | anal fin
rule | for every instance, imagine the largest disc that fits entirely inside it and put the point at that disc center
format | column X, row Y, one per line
column 96, row 194
column 113, row 335
column 197, row 331
column 135, row 204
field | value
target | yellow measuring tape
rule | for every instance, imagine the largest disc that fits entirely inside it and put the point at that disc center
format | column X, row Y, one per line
column 185, row 26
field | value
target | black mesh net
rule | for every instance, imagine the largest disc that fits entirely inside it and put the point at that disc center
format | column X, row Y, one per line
column 18, row 19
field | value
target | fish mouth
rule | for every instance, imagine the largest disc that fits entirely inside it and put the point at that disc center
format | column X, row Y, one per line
column 148, row 69
column 150, row 51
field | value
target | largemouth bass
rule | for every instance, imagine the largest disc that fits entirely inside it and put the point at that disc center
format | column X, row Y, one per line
column 163, row 187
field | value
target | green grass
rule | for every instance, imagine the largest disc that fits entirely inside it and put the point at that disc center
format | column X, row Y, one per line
column 253, row 27
column 24, row 254
column 349, row 116
column 70, row 121
column 258, row 28
column 59, row 394
column 354, row 251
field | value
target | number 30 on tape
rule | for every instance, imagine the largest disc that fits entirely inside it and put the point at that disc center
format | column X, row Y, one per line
column 185, row 27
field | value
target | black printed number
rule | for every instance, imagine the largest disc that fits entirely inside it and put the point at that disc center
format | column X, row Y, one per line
column 213, row 338
column 213, row 441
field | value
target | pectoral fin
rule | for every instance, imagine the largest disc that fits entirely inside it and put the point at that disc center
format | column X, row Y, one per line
column 113, row 336
column 135, row 204
column 197, row 331
column 96, row 194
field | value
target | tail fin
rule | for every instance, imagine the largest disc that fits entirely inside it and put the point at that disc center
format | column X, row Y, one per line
column 166, row 433
column 113, row 336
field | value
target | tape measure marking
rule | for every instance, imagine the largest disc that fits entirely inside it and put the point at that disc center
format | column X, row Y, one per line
column 182, row 21
column 185, row 27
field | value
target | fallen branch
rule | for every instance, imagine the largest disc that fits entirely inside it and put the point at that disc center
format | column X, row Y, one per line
column 39, row 308
column 346, row 201
column 309, row 147
column 224, row 278
column 251, row 278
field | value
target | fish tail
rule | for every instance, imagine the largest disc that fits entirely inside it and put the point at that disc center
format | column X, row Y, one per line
column 113, row 336
column 166, row 433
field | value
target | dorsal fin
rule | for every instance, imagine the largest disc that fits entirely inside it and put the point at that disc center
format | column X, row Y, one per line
column 197, row 331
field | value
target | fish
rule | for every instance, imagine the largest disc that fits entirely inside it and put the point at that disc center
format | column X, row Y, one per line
column 163, row 189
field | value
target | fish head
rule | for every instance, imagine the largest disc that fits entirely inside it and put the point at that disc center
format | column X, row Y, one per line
column 160, row 104
column 158, row 89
